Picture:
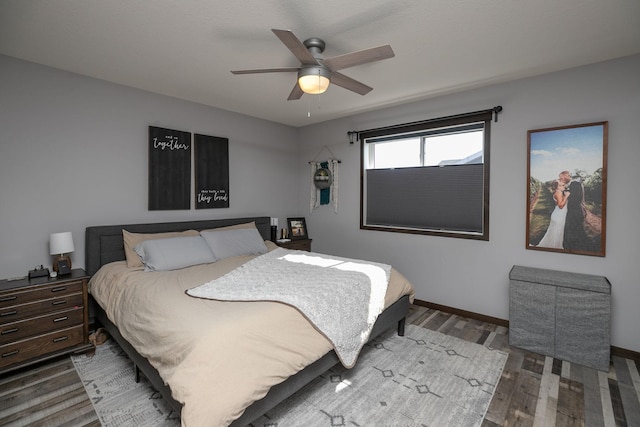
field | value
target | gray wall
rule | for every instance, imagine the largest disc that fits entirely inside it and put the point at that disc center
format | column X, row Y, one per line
column 74, row 152
column 473, row 275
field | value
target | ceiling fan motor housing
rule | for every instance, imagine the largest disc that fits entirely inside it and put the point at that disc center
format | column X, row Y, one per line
column 314, row 70
column 314, row 45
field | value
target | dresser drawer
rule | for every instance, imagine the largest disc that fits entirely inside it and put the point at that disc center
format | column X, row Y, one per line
column 21, row 351
column 37, row 325
column 19, row 312
column 32, row 294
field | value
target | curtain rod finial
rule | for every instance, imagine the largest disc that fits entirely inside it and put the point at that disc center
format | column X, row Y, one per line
column 497, row 109
column 351, row 133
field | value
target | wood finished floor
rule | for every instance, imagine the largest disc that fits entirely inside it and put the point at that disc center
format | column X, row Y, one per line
column 534, row 390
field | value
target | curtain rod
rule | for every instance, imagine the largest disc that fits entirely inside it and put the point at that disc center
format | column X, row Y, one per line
column 495, row 110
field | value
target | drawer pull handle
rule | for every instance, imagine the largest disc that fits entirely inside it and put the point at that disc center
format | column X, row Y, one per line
column 9, row 298
column 64, row 301
column 59, row 289
column 8, row 313
column 60, row 339
column 60, row 319
column 10, row 353
column 9, row 331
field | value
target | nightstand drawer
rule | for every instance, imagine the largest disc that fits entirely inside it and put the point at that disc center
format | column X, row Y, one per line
column 19, row 312
column 298, row 245
column 21, row 351
column 39, row 293
column 37, row 325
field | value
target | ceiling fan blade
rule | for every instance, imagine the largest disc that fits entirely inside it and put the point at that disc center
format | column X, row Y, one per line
column 267, row 70
column 359, row 57
column 296, row 93
column 341, row 80
column 296, row 47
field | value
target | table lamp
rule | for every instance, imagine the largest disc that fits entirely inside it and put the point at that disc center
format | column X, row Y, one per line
column 59, row 245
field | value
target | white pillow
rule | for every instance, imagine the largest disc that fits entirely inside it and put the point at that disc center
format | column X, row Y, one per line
column 228, row 243
column 133, row 239
column 173, row 253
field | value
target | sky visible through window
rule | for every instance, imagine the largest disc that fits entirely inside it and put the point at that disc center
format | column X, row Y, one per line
column 438, row 149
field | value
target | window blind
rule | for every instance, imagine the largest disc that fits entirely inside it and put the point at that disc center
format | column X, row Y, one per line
column 433, row 198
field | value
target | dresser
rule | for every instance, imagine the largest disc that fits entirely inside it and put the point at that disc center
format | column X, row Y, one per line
column 42, row 318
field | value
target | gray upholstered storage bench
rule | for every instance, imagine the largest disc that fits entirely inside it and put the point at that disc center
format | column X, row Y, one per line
column 562, row 315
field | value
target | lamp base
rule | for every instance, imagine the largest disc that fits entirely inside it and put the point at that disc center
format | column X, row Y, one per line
column 62, row 265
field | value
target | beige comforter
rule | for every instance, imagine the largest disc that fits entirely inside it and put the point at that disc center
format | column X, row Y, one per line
column 217, row 357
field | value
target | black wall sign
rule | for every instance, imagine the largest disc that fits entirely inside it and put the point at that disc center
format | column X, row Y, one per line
column 212, row 172
column 169, row 169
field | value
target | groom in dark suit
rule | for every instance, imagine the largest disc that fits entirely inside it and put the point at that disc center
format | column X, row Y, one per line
column 575, row 237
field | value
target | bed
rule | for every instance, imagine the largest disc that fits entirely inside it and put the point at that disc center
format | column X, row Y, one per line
column 171, row 370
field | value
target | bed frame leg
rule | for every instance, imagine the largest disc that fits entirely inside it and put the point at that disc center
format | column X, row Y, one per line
column 136, row 372
column 401, row 324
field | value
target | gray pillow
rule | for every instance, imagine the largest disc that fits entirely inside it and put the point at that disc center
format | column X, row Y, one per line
column 172, row 253
column 228, row 243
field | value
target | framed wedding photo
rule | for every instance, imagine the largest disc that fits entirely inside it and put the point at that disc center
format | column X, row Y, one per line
column 567, row 189
column 297, row 228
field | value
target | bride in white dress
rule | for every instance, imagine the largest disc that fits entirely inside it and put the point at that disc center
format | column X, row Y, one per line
column 554, row 236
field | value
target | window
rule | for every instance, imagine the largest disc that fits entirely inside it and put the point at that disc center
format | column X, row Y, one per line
column 430, row 177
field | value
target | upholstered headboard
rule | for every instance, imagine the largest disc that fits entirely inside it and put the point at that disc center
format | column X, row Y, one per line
column 105, row 244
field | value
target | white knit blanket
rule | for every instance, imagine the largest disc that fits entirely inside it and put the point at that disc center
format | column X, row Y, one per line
column 342, row 297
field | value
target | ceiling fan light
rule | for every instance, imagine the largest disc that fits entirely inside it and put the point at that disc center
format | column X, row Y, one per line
column 313, row 80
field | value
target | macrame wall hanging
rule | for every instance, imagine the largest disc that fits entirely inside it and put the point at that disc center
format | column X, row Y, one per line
column 324, row 182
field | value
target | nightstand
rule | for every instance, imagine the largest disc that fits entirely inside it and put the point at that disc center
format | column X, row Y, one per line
column 299, row 245
column 42, row 318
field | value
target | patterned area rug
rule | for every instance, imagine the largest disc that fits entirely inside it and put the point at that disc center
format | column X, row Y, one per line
column 422, row 379
column 109, row 380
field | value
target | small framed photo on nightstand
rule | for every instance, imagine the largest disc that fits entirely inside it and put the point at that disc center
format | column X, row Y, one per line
column 297, row 228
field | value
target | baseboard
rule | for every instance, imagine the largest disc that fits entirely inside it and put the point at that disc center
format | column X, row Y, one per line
column 615, row 351
column 463, row 313
column 627, row 354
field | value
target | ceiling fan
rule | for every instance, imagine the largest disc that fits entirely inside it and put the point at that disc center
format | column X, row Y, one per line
column 315, row 73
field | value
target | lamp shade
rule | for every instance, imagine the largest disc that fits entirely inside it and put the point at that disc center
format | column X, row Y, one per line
column 61, row 243
column 314, row 79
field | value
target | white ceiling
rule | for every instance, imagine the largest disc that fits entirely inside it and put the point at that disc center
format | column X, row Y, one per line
column 186, row 48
